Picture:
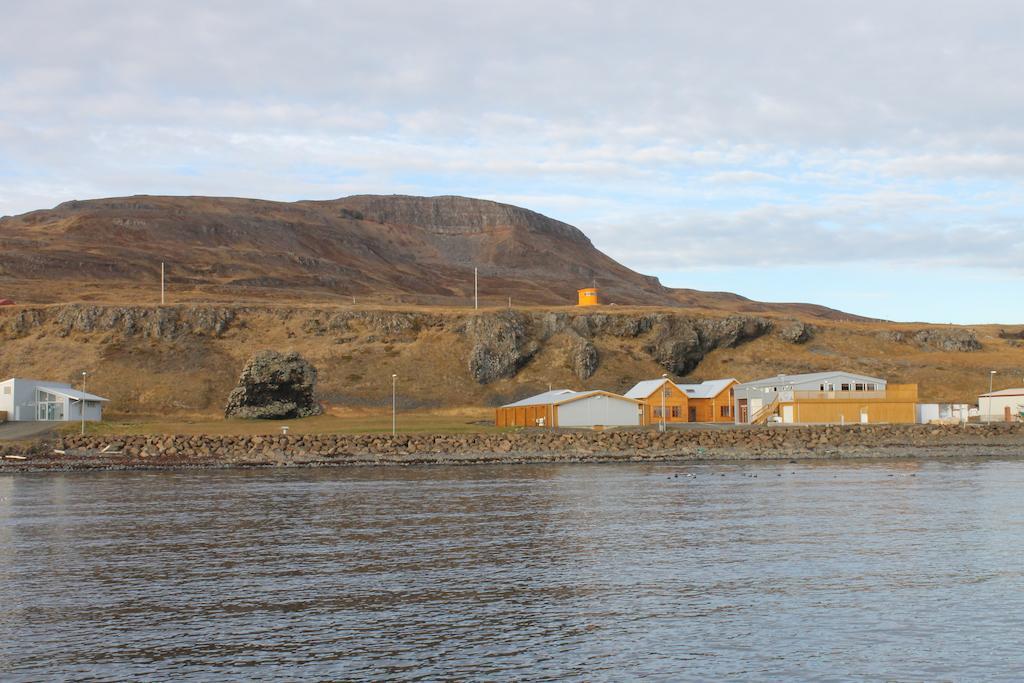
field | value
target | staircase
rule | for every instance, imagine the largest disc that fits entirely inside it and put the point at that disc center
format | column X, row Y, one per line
column 762, row 415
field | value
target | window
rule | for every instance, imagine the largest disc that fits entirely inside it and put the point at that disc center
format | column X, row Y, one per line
column 725, row 411
column 676, row 411
column 657, row 412
column 858, row 387
column 846, row 387
column 7, row 391
column 871, row 387
column 666, row 392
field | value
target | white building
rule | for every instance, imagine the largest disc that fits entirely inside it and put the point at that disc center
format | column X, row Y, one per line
column 27, row 400
column 942, row 413
column 567, row 408
column 1005, row 405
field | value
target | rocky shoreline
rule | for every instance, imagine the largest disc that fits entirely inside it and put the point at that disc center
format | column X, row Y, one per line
column 529, row 446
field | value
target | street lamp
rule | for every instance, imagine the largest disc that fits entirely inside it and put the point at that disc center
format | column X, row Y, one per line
column 81, row 403
column 394, row 404
column 665, row 377
column 991, row 374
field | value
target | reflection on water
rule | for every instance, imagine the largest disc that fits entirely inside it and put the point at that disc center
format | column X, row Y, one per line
column 604, row 572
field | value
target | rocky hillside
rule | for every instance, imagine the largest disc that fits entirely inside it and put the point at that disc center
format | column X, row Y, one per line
column 373, row 249
column 186, row 359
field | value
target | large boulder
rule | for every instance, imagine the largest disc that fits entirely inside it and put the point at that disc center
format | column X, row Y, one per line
column 274, row 386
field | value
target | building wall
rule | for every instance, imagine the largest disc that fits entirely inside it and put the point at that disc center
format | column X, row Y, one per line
column 848, row 412
column 602, row 410
column 20, row 404
column 7, row 399
column 994, row 408
column 676, row 406
column 710, row 409
column 524, row 416
column 22, row 400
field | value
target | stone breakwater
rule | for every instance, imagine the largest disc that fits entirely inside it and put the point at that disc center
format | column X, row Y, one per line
column 777, row 442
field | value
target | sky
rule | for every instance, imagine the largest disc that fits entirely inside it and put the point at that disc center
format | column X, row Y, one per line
column 865, row 155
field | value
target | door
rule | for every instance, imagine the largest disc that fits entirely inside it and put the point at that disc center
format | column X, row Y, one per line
column 693, row 414
column 787, row 414
column 863, row 417
column 744, row 414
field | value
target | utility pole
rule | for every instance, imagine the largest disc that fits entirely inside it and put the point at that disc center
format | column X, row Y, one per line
column 81, row 406
column 394, row 404
column 665, row 377
column 991, row 374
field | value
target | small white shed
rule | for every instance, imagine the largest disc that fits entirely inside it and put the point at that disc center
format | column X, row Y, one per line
column 999, row 406
column 30, row 400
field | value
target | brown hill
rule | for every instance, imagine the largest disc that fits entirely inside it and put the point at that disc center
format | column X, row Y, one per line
column 376, row 249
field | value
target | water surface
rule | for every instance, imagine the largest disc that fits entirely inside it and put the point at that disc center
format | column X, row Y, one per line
column 823, row 571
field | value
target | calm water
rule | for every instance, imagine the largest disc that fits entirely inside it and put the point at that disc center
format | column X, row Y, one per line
column 836, row 571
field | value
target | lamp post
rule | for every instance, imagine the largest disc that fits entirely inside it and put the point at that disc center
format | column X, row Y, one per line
column 665, row 377
column 991, row 374
column 81, row 404
column 394, row 404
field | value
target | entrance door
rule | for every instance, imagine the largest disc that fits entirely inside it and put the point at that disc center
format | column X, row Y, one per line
column 787, row 414
column 744, row 413
column 693, row 414
column 863, row 417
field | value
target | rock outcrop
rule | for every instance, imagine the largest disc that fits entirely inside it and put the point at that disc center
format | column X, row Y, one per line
column 583, row 358
column 796, row 332
column 501, row 345
column 948, row 340
column 680, row 343
column 274, row 386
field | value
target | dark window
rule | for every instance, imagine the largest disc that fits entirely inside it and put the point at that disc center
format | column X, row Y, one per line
column 846, row 387
column 676, row 411
column 725, row 411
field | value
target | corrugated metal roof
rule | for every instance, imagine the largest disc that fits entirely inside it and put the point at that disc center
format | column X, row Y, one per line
column 809, row 377
column 1004, row 392
column 60, row 388
column 645, row 388
column 559, row 396
column 706, row 389
column 553, row 396
column 75, row 394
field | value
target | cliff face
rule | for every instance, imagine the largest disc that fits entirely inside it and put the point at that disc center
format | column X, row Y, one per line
column 186, row 359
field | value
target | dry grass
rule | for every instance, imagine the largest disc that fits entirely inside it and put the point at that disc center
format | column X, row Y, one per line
column 453, row 421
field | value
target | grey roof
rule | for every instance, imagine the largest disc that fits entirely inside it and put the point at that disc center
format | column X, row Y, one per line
column 553, row 396
column 810, row 377
column 1004, row 392
column 59, row 388
column 645, row 388
column 558, row 396
column 706, row 389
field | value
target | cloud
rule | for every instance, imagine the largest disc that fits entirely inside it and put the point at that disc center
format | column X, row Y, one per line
column 749, row 132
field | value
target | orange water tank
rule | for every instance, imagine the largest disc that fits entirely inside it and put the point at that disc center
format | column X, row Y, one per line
column 587, row 296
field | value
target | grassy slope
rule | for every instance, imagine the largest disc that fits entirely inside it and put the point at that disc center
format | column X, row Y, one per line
column 190, row 377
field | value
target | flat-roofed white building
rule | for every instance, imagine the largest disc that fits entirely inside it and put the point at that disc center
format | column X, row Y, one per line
column 29, row 400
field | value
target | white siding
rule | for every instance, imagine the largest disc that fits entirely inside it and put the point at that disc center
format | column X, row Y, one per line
column 602, row 410
column 992, row 408
column 7, row 398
